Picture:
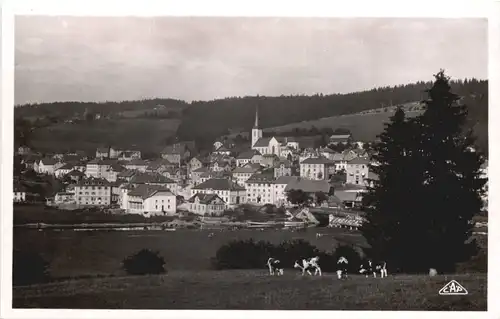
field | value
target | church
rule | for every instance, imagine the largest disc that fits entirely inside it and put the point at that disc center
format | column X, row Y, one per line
column 277, row 145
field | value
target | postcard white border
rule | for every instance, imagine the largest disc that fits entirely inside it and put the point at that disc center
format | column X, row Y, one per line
column 312, row 8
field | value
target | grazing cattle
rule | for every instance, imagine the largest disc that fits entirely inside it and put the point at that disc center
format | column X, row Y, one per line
column 306, row 265
column 342, row 267
column 274, row 267
column 374, row 268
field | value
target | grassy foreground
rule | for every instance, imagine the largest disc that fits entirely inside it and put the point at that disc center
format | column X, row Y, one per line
column 256, row 290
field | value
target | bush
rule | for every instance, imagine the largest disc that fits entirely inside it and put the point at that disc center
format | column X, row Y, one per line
column 351, row 254
column 29, row 268
column 144, row 262
column 248, row 254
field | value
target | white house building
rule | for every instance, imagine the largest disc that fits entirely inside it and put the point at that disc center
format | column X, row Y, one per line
column 317, row 168
column 151, row 200
column 242, row 174
column 250, row 156
column 357, row 171
column 229, row 191
column 48, row 166
column 207, row 204
column 259, row 189
column 93, row 192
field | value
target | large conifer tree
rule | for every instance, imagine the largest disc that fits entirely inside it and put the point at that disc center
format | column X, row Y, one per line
column 451, row 178
column 388, row 202
column 419, row 212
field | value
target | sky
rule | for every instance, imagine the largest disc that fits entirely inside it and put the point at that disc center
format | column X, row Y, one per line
column 196, row 58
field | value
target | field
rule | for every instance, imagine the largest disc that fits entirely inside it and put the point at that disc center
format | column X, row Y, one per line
column 88, row 274
column 75, row 254
column 147, row 134
column 256, row 290
column 364, row 127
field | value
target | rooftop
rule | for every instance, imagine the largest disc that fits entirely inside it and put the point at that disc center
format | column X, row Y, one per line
column 220, row 184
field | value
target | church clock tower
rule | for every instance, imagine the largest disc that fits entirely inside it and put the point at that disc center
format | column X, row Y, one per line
column 256, row 131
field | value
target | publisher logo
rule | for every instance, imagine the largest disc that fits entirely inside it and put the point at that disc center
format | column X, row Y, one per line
column 453, row 288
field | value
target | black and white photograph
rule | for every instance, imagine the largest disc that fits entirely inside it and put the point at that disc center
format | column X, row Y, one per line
column 250, row 163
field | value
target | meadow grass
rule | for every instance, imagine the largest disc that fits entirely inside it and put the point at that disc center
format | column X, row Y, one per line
column 254, row 289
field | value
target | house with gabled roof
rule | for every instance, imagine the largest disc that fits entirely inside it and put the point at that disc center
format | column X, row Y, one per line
column 64, row 170
column 154, row 179
column 282, row 168
column 48, row 166
column 207, row 205
column 317, row 168
column 357, row 170
column 242, row 174
column 136, row 164
column 229, row 191
column 249, row 156
column 93, row 192
column 336, row 139
column 111, row 174
column 151, row 200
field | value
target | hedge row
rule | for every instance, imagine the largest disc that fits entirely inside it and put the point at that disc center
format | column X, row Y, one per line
column 249, row 254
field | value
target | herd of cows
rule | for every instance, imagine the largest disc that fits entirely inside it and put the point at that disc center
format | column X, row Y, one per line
column 306, row 265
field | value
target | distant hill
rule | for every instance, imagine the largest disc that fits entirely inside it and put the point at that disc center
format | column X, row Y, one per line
column 151, row 124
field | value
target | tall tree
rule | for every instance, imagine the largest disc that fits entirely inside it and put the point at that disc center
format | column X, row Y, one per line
column 453, row 184
column 389, row 201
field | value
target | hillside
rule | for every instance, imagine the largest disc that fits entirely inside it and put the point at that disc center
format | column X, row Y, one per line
column 140, row 122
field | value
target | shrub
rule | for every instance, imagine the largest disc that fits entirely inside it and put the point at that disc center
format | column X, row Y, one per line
column 144, row 262
column 29, row 268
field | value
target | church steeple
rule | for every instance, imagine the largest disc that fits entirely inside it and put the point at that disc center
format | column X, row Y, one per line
column 256, row 125
column 256, row 131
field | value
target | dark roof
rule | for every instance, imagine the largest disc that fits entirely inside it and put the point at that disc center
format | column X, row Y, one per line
column 204, row 198
column 286, row 163
column 146, row 191
column 359, row 160
column 127, row 173
column 220, row 184
column 263, row 142
column 285, row 179
column 340, row 136
column 261, row 178
column 201, row 170
column 76, row 173
column 244, row 169
column 248, row 154
column 137, row 162
column 317, row 160
column 48, row 161
column 253, row 165
column 92, row 181
column 308, row 185
column 66, row 166
column 327, row 150
column 117, row 168
column 144, row 178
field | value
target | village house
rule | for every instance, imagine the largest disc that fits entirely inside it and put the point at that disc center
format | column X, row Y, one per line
column 93, row 192
column 279, row 193
column 327, row 153
column 64, row 170
column 19, row 193
column 357, row 171
column 308, row 153
column 111, row 174
column 126, row 175
column 129, row 155
column 259, row 189
column 230, row 192
column 282, row 168
column 48, row 166
column 269, row 160
column 242, row 174
column 194, row 164
column 309, row 186
column 178, row 152
column 97, row 167
column 160, row 166
column 23, row 150
column 336, row 139
column 102, row 152
column 222, row 150
column 196, row 175
column 154, row 179
column 317, row 168
column 250, row 156
column 207, row 205
column 64, row 198
column 220, row 166
column 76, row 175
column 341, row 159
column 138, row 165
column 151, row 200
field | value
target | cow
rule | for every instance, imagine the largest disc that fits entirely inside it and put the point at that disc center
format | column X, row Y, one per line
column 307, row 264
column 374, row 267
column 342, row 267
column 274, row 267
